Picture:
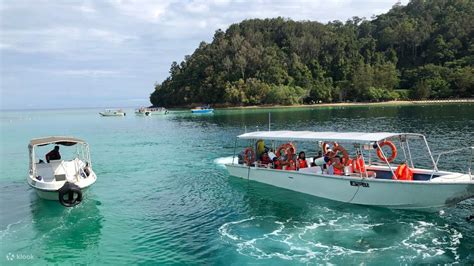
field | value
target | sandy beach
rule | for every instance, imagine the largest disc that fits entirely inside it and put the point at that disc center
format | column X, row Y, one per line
column 348, row 104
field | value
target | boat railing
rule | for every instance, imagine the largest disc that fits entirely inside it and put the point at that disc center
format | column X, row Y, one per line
column 469, row 169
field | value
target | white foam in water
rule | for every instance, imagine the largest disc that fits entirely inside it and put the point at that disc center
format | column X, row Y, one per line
column 225, row 160
column 267, row 237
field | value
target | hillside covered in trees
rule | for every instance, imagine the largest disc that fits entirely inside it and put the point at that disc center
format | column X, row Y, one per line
column 423, row 50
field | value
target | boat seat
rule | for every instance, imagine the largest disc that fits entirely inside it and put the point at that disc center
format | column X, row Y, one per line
column 370, row 174
column 61, row 177
column 45, row 171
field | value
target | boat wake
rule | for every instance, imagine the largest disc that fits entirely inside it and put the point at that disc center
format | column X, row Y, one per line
column 338, row 241
column 225, row 160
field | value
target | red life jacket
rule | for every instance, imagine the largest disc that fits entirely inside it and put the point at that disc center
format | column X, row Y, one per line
column 303, row 163
column 278, row 165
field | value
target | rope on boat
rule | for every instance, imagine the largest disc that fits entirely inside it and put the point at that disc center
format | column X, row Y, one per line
column 353, row 196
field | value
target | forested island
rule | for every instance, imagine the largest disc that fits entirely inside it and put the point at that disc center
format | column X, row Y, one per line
column 423, row 50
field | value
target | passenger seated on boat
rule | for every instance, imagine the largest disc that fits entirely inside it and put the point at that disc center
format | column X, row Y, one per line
column 318, row 160
column 291, row 166
column 358, row 164
column 403, row 172
column 240, row 157
column 302, row 163
column 265, row 160
column 338, row 167
column 289, row 160
column 277, row 163
column 53, row 154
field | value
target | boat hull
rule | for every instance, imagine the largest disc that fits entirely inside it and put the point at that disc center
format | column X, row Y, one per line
column 52, row 195
column 49, row 190
column 413, row 195
column 150, row 113
column 206, row 111
column 103, row 114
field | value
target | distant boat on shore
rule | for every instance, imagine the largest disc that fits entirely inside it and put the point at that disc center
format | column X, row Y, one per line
column 110, row 112
column 202, row 110
column 151, row 111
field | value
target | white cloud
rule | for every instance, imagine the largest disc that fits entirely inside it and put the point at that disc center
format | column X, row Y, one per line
column 59, row 39
column 150, row 11
column 114, row 45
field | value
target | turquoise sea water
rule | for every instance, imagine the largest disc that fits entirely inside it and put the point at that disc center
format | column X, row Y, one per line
column 164, row 197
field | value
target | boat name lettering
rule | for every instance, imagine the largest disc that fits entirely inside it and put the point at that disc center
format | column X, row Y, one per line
column 359, row 184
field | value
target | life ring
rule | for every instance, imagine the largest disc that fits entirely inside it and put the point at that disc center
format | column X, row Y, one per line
column 249, row 156
column 345, row 154
column 325, row 146
column 73, row 193
column 392, row 147
column 286, row 147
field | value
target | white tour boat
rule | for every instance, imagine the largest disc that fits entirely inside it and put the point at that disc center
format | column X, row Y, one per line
column 110, row 112
column 367, row 173
column 55, row 178
column 149, row 111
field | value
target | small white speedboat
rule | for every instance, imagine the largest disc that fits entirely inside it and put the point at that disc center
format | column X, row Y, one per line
column 149, row 111
column 110, row 112
column 61, row 179
column 368, row 174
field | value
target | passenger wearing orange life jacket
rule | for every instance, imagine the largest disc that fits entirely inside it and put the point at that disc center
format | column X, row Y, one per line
column 302, row 160
column 289, row 160
column 403, row 172
column 291, row 166
column 337, row 166
column 358, row 164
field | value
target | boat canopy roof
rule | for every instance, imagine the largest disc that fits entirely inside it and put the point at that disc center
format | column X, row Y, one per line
column 61, row 140
column 352, row 137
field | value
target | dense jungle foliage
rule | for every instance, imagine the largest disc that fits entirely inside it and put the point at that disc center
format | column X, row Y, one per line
column 423, row 50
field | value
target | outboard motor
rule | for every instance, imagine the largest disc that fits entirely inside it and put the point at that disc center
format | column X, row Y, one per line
column 70, row 195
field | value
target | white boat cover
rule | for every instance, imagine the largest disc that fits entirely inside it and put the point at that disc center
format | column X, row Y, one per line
column 351, row 137
column 67, row 141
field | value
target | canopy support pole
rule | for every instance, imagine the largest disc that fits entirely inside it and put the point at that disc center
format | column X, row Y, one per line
column 435, row 164
column 235, row 147
column 386, row 160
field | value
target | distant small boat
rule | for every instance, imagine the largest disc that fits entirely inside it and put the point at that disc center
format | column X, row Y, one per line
column 202, row 110
column 110, row 112
column 59, row 179
column 151, row 111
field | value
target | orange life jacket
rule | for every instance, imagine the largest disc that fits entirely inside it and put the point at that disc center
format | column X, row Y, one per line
column 338, row 171
column 359, row 165
column 403, row 172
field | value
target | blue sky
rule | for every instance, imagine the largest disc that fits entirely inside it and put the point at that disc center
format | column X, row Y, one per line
column 110, row 53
